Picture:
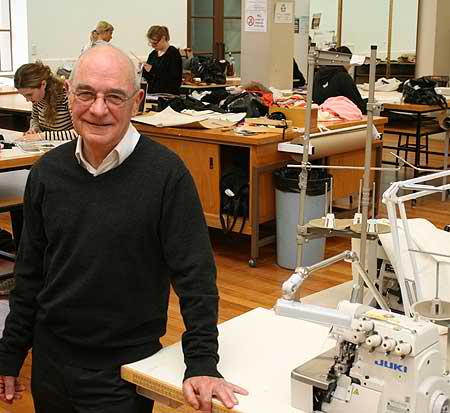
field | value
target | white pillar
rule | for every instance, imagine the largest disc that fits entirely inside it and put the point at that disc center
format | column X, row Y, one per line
column 301, row 38
column 433, row 38
column 267, row 56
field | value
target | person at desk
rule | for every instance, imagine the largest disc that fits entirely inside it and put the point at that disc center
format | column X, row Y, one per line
column 50, row 115
column 330, row 81
column 102, row 34
column 163, row 70
column 92, row 287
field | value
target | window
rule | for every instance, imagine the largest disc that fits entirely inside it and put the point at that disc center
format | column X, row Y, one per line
column 214, row 28
column 6, row 61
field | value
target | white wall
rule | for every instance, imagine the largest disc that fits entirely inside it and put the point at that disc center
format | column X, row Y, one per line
column 19, row 33
column 365, row 22
column 57, row 30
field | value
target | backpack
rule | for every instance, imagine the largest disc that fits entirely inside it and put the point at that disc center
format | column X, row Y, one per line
column 234, row 199
column 422, row 91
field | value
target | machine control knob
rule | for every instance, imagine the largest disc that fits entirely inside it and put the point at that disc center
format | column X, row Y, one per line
column 389, row 344
column 403, row 349
column 366, row 325
column 374, row 340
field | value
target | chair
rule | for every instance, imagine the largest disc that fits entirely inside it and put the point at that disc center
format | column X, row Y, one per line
column 441, row 80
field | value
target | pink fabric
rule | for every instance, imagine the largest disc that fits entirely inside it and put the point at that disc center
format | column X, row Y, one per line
column 341, row 107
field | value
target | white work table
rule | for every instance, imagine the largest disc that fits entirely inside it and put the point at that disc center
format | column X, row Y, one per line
column 258, row 350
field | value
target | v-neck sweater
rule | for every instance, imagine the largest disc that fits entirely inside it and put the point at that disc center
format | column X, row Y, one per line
column 98, row 255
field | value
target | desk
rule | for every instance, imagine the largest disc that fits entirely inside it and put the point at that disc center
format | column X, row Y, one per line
column 15, row 112
column 208, row 152
column 257, row 350
column 190, row 87
column 417, row 129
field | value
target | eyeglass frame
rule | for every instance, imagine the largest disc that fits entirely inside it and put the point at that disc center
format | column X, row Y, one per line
column 153, row 42
column 104, row 97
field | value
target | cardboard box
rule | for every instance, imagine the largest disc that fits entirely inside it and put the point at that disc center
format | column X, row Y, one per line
column 296, row 115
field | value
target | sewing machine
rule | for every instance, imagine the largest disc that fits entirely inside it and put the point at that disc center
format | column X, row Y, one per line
column 382, row 363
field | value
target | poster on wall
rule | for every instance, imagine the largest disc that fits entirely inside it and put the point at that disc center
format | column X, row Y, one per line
column 255, row 16
column 315, row 22
column 283, row 12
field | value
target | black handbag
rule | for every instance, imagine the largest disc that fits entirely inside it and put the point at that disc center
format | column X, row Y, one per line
column 209, row 70
column 234, row 199
column 422, row 91
column 248, row 102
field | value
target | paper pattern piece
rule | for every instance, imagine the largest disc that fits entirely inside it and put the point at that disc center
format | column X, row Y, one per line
column 283, row 12
column 255, row 16
column 357, row 59
column 205, row 119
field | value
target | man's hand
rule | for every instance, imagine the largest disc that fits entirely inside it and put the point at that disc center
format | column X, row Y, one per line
column 199, row 391
column 31, row 131
column 10, row 389
column 147, row 67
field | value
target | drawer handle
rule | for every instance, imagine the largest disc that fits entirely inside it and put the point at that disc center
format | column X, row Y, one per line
column 211, row 163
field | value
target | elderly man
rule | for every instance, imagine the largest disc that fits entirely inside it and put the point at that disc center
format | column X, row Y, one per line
column 110, row 221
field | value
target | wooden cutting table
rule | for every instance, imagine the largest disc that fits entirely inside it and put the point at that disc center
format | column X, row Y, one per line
column 208, row 154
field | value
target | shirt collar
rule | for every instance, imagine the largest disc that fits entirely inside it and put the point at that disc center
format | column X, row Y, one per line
column 118, row 154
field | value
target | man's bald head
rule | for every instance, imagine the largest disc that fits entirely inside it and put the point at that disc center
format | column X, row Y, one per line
column 108, row 54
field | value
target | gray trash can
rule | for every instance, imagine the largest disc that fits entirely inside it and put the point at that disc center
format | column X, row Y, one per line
column 287, row 196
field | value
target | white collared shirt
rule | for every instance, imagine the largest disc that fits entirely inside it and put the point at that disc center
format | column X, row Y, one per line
column 121, row 152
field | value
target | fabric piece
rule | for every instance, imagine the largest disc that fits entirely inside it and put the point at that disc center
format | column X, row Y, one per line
column 341, row 107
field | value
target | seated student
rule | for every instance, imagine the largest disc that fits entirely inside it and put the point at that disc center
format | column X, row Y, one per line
column 50, row 116
column 163, row 70
column 330, row 81
column 102, row 34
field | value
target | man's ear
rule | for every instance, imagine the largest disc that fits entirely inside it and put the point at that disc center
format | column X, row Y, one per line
column 137, row 101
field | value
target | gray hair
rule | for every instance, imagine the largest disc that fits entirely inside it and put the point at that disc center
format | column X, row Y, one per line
column 136, row 82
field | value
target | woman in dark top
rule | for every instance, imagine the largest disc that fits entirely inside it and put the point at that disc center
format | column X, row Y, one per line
column 163, row 69
column 330, row 81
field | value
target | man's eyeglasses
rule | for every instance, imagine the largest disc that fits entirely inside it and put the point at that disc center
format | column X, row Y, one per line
column 153, row 42
column 112, row 100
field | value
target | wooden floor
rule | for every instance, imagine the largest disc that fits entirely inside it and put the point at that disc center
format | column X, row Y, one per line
column 243, row 288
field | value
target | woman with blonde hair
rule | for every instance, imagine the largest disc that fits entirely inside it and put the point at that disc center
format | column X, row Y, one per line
column 50, row 116
column 102, row 34
column 163, row 70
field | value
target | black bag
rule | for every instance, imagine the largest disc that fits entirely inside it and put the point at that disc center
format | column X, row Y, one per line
column 234, row 199
column 248, row 102
column 421, row 92
column 209, row 70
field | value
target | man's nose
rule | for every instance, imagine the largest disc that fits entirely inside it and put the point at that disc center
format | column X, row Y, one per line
column 99, row 106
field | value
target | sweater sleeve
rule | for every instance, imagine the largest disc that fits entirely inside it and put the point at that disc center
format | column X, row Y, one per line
column 148, row 76
column 60, row 135
column 34, row 121
column 19, row 325
column 350, row 91
column 188, row 252
column 175, row 71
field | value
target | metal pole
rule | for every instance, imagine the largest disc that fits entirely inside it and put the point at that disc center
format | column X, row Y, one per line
column 389, row 39
column 303, row 177
column 359, row 293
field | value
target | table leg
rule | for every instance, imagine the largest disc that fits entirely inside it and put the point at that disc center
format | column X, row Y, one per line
column 417, row 156
column 444, row 180
column 254, row 238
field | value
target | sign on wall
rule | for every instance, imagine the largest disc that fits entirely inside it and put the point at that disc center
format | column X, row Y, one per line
column 255, row 16
column 283, row 12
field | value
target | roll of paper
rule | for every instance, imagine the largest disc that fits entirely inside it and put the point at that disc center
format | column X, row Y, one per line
column 334, row 144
